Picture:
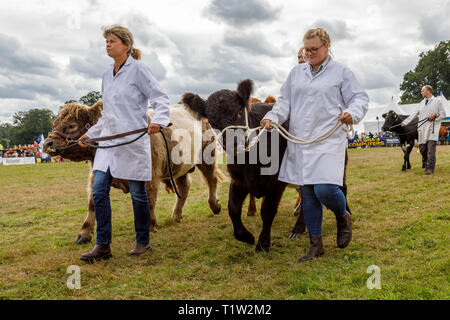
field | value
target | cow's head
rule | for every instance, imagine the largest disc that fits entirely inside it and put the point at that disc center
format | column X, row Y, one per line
column 390, row 119
column 223, row 108
column 72, row 122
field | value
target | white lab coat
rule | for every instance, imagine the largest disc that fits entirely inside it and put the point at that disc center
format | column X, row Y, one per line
column 125, row 107
column 311, row 105
column 425, row 130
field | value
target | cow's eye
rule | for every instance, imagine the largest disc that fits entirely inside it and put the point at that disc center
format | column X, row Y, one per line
column 72, row 126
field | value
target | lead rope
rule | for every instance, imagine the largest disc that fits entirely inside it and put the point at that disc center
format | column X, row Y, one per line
column 284, row 133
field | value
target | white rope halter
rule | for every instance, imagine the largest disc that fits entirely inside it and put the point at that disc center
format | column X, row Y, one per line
column 284, row 133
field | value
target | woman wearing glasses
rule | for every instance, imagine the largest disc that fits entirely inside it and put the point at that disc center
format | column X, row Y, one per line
column 310, row 99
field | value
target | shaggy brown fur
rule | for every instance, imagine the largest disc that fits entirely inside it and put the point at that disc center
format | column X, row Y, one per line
column 74, row 118
column 270, row 99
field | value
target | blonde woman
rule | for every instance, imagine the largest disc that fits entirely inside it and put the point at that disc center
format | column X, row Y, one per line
column 310, row 99
column 127, row 87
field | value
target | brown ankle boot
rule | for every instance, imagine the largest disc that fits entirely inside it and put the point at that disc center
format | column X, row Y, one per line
column 139, row 249
column 315, row 249
column 100, row 251
column 344, row 230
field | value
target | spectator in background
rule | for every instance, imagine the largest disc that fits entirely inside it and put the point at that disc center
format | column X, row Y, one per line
column 302, row 58
column 430, row 109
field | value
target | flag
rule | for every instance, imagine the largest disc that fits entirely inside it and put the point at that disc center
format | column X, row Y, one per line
column 38, row 139
column 41, row 141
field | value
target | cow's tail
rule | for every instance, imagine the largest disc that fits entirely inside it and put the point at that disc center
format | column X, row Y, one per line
column 195, row 103
column 221, row 176
column 245, row 89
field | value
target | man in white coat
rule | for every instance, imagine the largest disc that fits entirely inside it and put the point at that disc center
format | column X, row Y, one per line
column 310, row 99
column 431, row 109
column 127, row 87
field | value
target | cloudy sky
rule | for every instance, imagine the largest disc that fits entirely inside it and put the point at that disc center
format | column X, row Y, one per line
column 53, row 51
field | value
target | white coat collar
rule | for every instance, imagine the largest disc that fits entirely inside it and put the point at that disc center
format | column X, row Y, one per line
column 326, row 63
column 429, row 100
column 129, row 60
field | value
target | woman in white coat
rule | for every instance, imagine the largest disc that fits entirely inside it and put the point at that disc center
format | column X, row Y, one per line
column 310, row 99
column 127, row 87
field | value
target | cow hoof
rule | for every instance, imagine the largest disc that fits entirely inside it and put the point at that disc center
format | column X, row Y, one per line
column 153, row 229
column 246, row 237
column 177, row 219
column 251, row 214
column 261, row 248
column 80, row 239
column 217, row 211
column 404, row 169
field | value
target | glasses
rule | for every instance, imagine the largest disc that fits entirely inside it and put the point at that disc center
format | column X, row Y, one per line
column 313, row 50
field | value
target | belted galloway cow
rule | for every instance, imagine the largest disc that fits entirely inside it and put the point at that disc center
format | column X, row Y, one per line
column 73, row 121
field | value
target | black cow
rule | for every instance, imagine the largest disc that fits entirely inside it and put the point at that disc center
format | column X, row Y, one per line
column 222, row 109
column 407, row 134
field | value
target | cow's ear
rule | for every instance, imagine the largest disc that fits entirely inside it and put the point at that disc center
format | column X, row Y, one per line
column 96, row 110
column 245, row 89
column 195, row 103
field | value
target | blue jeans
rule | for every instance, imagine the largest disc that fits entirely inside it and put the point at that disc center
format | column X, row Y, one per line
column 102, row 207
column 316, row 195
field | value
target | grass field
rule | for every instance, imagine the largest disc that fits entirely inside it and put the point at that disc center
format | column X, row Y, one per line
column 400, row 224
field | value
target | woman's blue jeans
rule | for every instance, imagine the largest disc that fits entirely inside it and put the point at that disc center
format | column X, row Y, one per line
column 102, row 207
column 316, row 195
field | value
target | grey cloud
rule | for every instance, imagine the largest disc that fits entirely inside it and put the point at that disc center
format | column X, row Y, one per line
column 226, row 65
column 26, row 90
column 374, row 75
column 152, row 61
column 436, row 27
column 146, row 32
column 18, row 59
column 254, row 43
column 337, row 29
column 94, row 63
column 242, row 13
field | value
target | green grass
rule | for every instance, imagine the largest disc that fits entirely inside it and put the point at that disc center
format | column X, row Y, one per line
column 400, row 223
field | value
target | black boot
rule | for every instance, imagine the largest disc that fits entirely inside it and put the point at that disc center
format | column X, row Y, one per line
column 315, row 248
column 100, row 251
column 344, row 230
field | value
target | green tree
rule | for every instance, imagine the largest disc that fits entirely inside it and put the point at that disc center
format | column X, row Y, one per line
column 28, row 125
column 5, row 134
column 91, row 98
column 433, row 68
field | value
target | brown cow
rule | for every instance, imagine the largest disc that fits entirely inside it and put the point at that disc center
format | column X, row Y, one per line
column 443, row 133
column 76, row 118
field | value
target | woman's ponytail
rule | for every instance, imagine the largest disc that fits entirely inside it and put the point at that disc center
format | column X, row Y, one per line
column 136, row 53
